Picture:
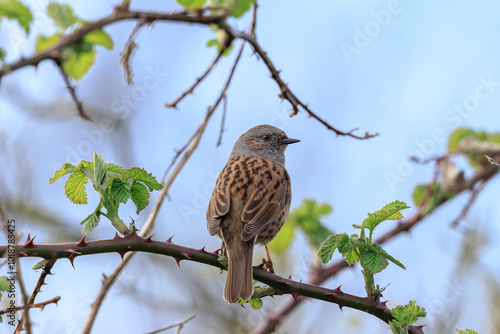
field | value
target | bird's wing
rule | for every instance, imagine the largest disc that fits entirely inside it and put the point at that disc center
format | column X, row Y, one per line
column 218, row 205
column 267, row 197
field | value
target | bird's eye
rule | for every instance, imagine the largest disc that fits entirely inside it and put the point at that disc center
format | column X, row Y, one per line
column 266, row 137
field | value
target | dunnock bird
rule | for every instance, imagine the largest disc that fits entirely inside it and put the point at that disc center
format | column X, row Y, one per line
column 250, row 202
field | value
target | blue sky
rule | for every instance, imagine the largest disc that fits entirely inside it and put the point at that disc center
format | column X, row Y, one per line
column 415, row 61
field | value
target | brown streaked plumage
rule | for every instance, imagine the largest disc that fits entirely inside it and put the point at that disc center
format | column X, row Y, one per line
column 250, row 202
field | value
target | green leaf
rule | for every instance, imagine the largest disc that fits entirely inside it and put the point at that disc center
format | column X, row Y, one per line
column 78, row 60
column 457, row 135
column 407, row 314
column 139, row 195
column 2, row 54
column 326, row 250
column 74, row 188
column 90, row 222
column 374, row 262
column 390, row 211
column 465, row 331
column 140, row 175
column 283, row 240
column 16, row 10
column 99, row 172
column 308, row 217
column 40, row 264
column 212, row 42
column 62, row 15
column 395, row 329
column 120, row 189
column 114, row 168
column 65, row 169
column 99, row 37
column 255, row 303
column 192, row 3
column 43, row 43
column 347, row 246
column 241, row 7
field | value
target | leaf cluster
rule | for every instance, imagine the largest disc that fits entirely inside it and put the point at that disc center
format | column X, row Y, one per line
column 115, row 185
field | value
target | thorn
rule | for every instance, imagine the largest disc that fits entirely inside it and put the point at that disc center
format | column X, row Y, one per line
column 170, row 239
column 150, row 238
column 122, row 254
column 117, row 236
column 72, row 259
column 217, row 251
column 337, row 290
column 295, row 296
column 82, row 242
column 23, row 253
column 340, row 307
column 41, row 307
column 261, row 266
column 178, row 261
column 57, row 300
column 71, row 251
column 186, row 255
column 203, row 250
column 29, row 241
column 384, row 303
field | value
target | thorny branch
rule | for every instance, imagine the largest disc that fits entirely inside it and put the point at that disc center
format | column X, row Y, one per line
column 135, row 243
column 41, row 305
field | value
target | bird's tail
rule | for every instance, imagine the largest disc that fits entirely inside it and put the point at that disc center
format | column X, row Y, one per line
column 239, row 282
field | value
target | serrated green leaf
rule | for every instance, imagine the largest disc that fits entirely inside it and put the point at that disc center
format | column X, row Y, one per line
column 45, row 42
column 241, row 7
column 327, row 248
column 120, row 189
column 140, row 175
column 40, row 265
column 282, row 241
column 351, row 257
column 192, row 3
column 74, row 188
column 62, row 15
column 90, row 222
column 374, row 262
column 393, row 260
column 139, row 195
column 256, row 303
column 16, row 10
column 99, row 37
column 78, row 60
column 65, row 169
column 465, row 331
column 407, row 314
column 345, row 244
column 114, row 168
column 390, row 211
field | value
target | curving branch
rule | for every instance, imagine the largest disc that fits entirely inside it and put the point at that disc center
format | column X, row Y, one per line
column 136, row 243
column 41, row 305
column 121, row 13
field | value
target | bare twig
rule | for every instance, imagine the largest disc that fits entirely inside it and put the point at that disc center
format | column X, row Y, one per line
column 224, row 109
column 25, row 317
column 472, row 199
column 254, row 18
column 179, row 324
column 127, row 52
column 491, row 161
column 148, row 226
column 41, row 305
column 72, row 91
column 190, row 90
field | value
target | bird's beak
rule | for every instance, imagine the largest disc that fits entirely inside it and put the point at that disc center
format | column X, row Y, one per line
column 287, row 141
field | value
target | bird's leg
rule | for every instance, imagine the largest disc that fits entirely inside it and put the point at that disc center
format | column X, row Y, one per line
column 268, row 265
column 222, row 250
